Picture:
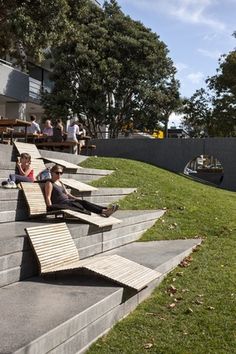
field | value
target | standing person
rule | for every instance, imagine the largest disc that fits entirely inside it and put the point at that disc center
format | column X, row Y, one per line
column 72, row 132
column 48, row 128
column 34, row 128
column 25, row 172
column 58, row 131
column 76, row 132
column 57, row 197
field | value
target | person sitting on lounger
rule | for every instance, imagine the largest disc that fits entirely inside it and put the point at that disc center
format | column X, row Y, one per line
column 57, row 197
column 25, row 172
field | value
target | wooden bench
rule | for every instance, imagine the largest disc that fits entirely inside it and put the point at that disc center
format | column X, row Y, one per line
column 5, row 135
column 56, row 251
column 72, row 145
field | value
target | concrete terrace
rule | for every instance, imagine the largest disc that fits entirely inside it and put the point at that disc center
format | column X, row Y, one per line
column 66, row 312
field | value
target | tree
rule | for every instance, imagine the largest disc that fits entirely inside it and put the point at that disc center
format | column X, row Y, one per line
column 214, row 112
column 112, row 69
column 224, row 102
column 31, row 27
column 198, row 118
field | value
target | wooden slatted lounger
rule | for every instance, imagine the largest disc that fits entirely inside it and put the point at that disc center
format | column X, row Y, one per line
column 56, row 251
column 35, row 154
column 37, row 207
column 38, row 166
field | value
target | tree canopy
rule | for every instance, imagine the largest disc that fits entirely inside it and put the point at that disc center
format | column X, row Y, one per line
column 105, row 65
column 213, row 112
column 28, row 27
column 112, row 69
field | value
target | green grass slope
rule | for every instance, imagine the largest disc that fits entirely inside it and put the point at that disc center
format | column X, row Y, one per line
column 193, row 311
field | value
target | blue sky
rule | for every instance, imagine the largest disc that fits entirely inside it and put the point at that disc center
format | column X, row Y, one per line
column 196, row 33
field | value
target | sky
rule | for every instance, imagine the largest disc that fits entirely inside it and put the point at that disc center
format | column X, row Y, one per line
column 196, row 32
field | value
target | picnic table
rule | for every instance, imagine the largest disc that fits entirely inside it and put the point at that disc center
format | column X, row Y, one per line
column 12, row 123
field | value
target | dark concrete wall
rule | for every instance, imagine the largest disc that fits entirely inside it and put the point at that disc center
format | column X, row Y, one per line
column 174, row 154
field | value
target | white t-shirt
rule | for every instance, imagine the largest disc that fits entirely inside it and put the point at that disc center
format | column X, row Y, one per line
column 72, row 131
column 34, row 128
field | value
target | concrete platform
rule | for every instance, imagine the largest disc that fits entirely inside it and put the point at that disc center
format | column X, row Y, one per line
column 67, row 313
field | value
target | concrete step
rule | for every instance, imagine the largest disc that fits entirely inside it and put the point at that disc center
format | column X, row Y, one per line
column 66, row 313
column 17, row 262
column 13, row 200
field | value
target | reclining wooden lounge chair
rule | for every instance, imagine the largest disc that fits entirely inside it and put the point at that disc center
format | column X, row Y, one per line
column 37, row 207
column 35, row 154
column 56, row 251
column 38, row 166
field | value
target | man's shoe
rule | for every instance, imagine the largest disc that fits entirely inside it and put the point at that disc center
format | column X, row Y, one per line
column 109, row 211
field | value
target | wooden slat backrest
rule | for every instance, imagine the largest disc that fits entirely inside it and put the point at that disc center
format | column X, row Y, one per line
column 53, row 246
column 29, row 148
column 35, row 198
column 38, row 166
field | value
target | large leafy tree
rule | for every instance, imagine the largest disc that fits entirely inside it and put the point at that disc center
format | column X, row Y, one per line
column 198, row 117
column 112, row 69
column 28, row 27
column 214, row 112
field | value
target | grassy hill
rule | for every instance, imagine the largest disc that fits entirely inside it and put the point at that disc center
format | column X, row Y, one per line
column 193, row 311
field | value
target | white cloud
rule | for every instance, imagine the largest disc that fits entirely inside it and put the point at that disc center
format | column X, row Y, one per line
column 215, row 54
column 181, row 66
column 188, row 11
column 195, row 78
column 210, row 36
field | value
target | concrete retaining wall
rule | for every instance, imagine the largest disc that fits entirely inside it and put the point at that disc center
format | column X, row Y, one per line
column 174, row 154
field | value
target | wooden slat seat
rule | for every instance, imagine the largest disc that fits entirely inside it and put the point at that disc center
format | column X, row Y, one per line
column 56, row 251
column 37, row 207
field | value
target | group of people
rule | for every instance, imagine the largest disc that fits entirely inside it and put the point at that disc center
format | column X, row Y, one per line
column 56, row 195
column 56, row 133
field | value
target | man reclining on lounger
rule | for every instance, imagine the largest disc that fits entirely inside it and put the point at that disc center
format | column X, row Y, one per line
column 57, row 197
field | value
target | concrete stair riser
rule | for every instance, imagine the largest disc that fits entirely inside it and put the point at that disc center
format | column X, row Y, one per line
column 122, row 240
column 13, row 205
column 13, row 215
column 16, row 274
column 143, row 225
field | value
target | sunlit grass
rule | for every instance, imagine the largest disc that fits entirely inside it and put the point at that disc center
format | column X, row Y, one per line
column 203, row 318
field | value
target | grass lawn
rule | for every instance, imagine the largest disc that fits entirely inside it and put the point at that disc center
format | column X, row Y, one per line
column 202, row 294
